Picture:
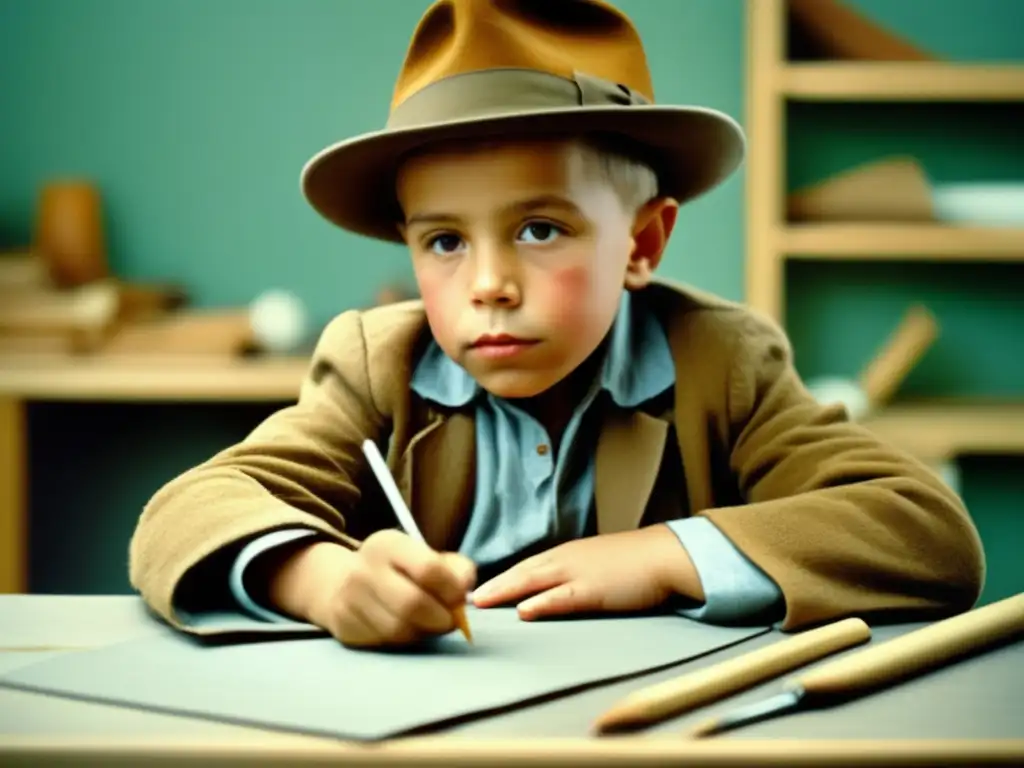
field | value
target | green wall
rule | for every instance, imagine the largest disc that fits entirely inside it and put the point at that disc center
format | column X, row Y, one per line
column 195, row 118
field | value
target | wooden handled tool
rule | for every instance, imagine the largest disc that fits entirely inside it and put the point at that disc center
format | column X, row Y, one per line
column 696, row 689
column 939, row 643
column 917, row 331
column 886, row 663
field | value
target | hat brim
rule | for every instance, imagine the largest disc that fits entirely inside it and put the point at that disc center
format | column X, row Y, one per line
column 352, row 183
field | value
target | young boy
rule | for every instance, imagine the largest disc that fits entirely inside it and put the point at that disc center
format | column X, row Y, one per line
column 571, row 434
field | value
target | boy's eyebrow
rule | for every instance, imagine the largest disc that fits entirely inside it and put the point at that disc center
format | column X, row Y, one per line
column 542, row 201
column 519, row 206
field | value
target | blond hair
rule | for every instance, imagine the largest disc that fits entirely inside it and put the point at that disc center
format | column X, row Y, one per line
column 608, row 158
column 616, row 163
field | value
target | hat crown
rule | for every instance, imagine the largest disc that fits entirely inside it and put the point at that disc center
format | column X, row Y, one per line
column 557, row 37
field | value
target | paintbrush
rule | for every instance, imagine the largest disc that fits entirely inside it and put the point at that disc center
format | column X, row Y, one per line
column 405, row 518
column 695, row 689
column 884, row 664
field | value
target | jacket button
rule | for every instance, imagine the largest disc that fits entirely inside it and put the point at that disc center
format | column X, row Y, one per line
column 542, row 449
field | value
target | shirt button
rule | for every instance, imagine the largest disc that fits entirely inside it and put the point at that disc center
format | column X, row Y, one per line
column 542, row 449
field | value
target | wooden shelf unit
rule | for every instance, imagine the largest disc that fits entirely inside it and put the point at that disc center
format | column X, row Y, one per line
column 901, row 81
column 937, row 431
column 114, row 379
column 772, row 82
column 42, row 377
column 919, row 242
column 942, row 430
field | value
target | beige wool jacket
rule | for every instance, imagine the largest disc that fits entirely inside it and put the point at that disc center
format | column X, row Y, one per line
column 843, row 523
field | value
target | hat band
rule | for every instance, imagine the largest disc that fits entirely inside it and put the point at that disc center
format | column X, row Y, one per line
column 502, row 92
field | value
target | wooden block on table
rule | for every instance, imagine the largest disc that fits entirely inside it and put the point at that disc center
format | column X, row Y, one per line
column 214, row 332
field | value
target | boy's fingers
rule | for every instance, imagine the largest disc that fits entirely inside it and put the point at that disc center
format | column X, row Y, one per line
column 517, row 582
column 391, row 545
column 409, row 604
column 570, row 597
column 444, row 576
column 464, row 570
column 356, row 627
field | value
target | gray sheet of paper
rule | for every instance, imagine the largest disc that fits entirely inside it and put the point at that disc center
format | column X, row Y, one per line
column 318, row 686
column 44, row 622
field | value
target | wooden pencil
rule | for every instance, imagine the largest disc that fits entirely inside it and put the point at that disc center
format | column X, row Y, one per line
column 689, row 691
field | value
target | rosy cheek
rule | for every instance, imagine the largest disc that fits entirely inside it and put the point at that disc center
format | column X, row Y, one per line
column 569, row 296
column 438, row 304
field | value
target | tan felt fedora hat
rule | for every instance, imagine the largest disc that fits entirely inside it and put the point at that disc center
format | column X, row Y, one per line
column 497, row 68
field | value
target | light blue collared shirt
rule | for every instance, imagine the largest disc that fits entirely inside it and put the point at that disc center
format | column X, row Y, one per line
column 527, row 497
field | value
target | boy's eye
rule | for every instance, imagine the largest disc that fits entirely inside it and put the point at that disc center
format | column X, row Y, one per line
column 539, row 232
column 444, row 244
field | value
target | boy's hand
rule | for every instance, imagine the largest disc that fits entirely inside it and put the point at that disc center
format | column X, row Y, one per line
column 393, row 591
column 630, row 571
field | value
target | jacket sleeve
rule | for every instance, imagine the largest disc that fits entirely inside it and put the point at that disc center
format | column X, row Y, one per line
column 300, row 468
column 843, row 523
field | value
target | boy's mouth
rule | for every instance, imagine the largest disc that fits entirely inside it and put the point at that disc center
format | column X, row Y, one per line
column 500, row 345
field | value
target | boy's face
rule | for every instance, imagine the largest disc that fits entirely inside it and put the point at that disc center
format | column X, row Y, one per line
column 521, row 253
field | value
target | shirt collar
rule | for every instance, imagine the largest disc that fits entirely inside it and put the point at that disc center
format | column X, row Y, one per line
column 638, row 363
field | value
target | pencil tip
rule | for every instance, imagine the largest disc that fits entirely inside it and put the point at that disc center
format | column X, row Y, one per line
column 616, row 721
column 707, row 728
column 463, row 624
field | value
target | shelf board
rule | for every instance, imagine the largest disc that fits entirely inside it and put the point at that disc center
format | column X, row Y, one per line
column 144, row 378
column 902, row 81
column 911, row 241
column 940, row 430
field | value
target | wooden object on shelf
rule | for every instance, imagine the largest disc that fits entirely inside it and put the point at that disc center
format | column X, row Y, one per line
column 83, row 314
column 883, row 376
column 69, row 233
column 890, row 189
column 39, row 344
column 36, row 315
column 838, row 31
column 225, row 333
column 22, row 271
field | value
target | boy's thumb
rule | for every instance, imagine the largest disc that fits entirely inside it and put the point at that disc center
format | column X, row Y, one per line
column 463, row 568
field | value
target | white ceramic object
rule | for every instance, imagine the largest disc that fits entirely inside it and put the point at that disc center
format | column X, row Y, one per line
column 279, row 321
column 828, row 391
column 949, row 473
column 995, row 204
column 835, row 390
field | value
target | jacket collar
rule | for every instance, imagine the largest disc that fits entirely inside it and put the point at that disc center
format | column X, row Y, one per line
column 437, row 467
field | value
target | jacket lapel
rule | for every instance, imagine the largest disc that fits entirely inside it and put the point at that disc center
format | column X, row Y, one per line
column 629, row 453
column 438, row 478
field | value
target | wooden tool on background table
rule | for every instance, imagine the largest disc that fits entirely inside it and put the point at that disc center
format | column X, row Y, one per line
column 695, row 689
column 405, row 518
column 884, row 664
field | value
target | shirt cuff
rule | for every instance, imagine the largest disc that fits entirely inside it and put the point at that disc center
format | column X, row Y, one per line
column 250, row 552
column 734, row 588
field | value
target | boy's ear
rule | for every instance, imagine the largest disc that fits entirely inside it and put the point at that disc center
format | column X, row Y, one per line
column 652, row 227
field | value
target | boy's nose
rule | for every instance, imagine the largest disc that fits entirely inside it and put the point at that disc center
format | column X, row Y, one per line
column 494, row 282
